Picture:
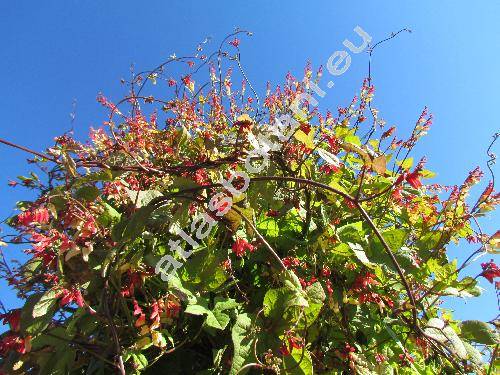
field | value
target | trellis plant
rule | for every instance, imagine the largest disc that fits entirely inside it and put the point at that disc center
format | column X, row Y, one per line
column 332, row 260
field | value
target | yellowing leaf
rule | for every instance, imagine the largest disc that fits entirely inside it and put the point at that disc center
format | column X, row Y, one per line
column 306, row 139
column 158, row 339
column 351, row 147
column 379, row 164
column 143, row 342
column 405, row 164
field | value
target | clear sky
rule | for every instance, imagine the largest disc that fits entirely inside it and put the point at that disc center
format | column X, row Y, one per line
column 53, row 52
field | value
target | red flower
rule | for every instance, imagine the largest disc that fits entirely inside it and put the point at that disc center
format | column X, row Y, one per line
column 13, row 318
column 413, row 179
column 223, row 206
column 388, row 132
column 294, row 342
column 306, row 128
column 329, row 288
column 396, row 194
column 325, row 271
column 406, row 358
column 201, row 177
column 380, row 358
column 133, row 279
column 172, row 82
column 141, row 320
column 235, row 42
column 14, row 342
column 12, row 183
column 240, row 247
column 284, row 350
column 349, row 203
column 173, row 309
column 187, row 80
column 88, row 229
column 364, row 281
column 347, row 350
column 291, row 262
column 327, row 168
column 37, row 216
column 226, row 265
column 303, row 283
column 490, row 271
column 155, row 314
column 137, row 309
column 69, row 296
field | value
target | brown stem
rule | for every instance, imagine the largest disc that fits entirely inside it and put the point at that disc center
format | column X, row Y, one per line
column 112, row 326
column 28, row 150
column 269, row 248
column 394, row 261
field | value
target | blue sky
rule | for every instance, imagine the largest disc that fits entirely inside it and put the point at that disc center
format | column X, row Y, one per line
column 58, row 51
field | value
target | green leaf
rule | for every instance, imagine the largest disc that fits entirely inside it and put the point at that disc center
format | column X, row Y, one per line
column 87, row 193
column 315, row 293
column 242, row 343
column 278, row 301
column 175, row 284
column 196, row 310
column 102, row 175
column 57, row 338
column 217, row 318
column 203, row 268
column 358, row 251
column 297, row 363
column 65, row 361
column 291, row 281
column 352, row 232
column 223, row 304
column 183, row 183
column 269, row 228
column 342, row 249
column 33, row 326
column 31, row 267
column 445, row 273
column 140, row 360
column 315, row 297
column 220, row 320
column 479, row 332
column 395, row 238
column 273, row 302
column 109, row 216
column 134, row 226
column 143, row 198
column 46, row 302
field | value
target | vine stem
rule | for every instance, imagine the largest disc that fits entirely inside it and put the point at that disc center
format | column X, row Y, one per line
column 269, row 248
column 5, row 142
column 388, row 250
column 118, row 348
column 248, row 366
